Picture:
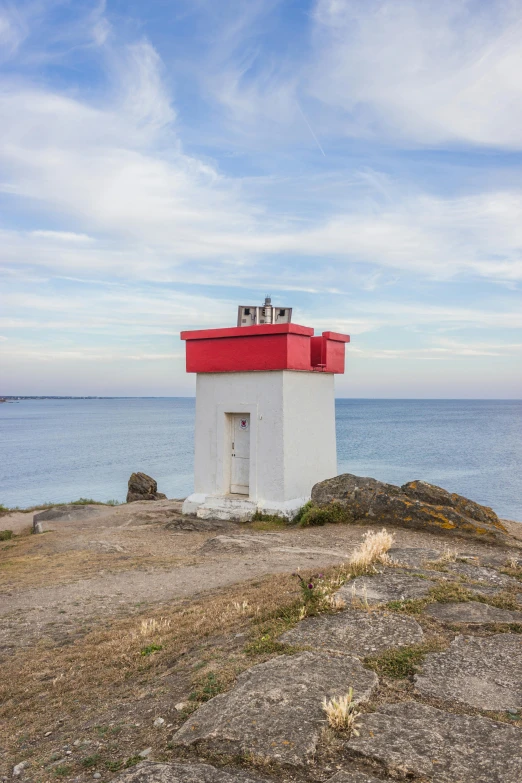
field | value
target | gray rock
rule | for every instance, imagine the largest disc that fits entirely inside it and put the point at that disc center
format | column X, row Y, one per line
column 436, row 496
column 413, row 557
column 274, row 711
column 144, row 753
column 355, row 632
column 380, row 589
column 355, row 777
column 242, row 543
column 19, row 768
column 413, row 740
column 484, row 672
column 143, row 487
column 484, row 576
column 185, row 524
column 472, row 613
column 416, row 505
column 71, row 512
column 150, row 772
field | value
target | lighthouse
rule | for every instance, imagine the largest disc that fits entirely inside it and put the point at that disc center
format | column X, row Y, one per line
column 265, row 413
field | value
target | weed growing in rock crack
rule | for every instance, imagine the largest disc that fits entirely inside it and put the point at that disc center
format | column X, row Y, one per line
column 401, row 662
column 341, row 713
column 450, row 592
column 266, row 645
column 408, row 606
column 61, row 771
column 374, row 549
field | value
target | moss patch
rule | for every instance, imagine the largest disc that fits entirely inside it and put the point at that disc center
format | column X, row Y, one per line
column 402, row 661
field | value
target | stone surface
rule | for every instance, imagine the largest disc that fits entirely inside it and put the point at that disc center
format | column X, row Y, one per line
column 390, row 586
column 240, row 543
column 356, row 632
column 19, row 768
column 67, row 513
column 472, row 613
column 143, row 487
column 484, row 576
column 355, row 777
column 436, row 496
column 413, row 557
column 483, row 672
column 274, row 711
column 415, row 505
column 415, row 741
column 150, row 772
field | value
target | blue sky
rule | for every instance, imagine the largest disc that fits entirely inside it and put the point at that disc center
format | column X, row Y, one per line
column 162, row 162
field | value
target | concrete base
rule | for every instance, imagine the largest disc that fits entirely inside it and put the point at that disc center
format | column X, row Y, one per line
column 238, row 508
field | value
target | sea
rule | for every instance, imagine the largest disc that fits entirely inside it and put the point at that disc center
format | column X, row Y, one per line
column 58, row 450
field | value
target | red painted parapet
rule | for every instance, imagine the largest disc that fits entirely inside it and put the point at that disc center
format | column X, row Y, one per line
column 265, row 347
column 327, row 352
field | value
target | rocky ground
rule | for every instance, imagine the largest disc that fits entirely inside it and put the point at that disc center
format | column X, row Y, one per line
column 140, row 644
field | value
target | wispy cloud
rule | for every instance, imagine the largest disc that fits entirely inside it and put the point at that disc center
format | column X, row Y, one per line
column 155, row 170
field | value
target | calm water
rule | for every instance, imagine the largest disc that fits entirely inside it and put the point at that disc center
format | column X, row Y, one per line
column 59, row 450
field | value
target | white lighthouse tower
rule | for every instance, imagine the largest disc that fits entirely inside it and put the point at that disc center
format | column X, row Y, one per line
column 265, row 413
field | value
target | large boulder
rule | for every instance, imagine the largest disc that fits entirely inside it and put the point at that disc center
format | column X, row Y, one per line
column 416, row 505
column 143, row 487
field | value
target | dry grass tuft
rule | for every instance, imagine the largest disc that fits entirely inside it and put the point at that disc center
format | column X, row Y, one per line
column 152, row 626
column 449, row 555
column 341, row 713
column 373, row 549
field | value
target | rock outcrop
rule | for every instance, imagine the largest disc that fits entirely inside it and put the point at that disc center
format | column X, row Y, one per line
column 415, row 741
column 485, row 673
column 143, row 487
column 355, row 632
column 274, row 712
column 415, row 505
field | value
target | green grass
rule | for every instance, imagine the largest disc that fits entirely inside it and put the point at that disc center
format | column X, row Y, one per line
column 113, row 766
column 132, row 761
column 408, row 606
column 207, row 687
column 90, row 761
column 150, row 649
column 61, row 771
column 262, row 521
column 266, row 645
column 400, row 662
column 312, row 516
column 6, row 535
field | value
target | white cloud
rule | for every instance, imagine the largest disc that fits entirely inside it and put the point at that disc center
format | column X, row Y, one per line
column 428, row 72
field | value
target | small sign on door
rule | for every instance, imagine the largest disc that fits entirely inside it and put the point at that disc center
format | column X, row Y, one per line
column 243, row 424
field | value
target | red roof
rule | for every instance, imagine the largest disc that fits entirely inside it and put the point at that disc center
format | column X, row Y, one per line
column 264, row 347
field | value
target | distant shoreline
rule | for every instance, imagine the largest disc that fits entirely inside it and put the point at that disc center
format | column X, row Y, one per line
column 19, row 397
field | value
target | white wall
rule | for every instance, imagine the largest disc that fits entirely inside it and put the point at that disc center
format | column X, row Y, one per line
column 309, row 422
column 292, row 431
